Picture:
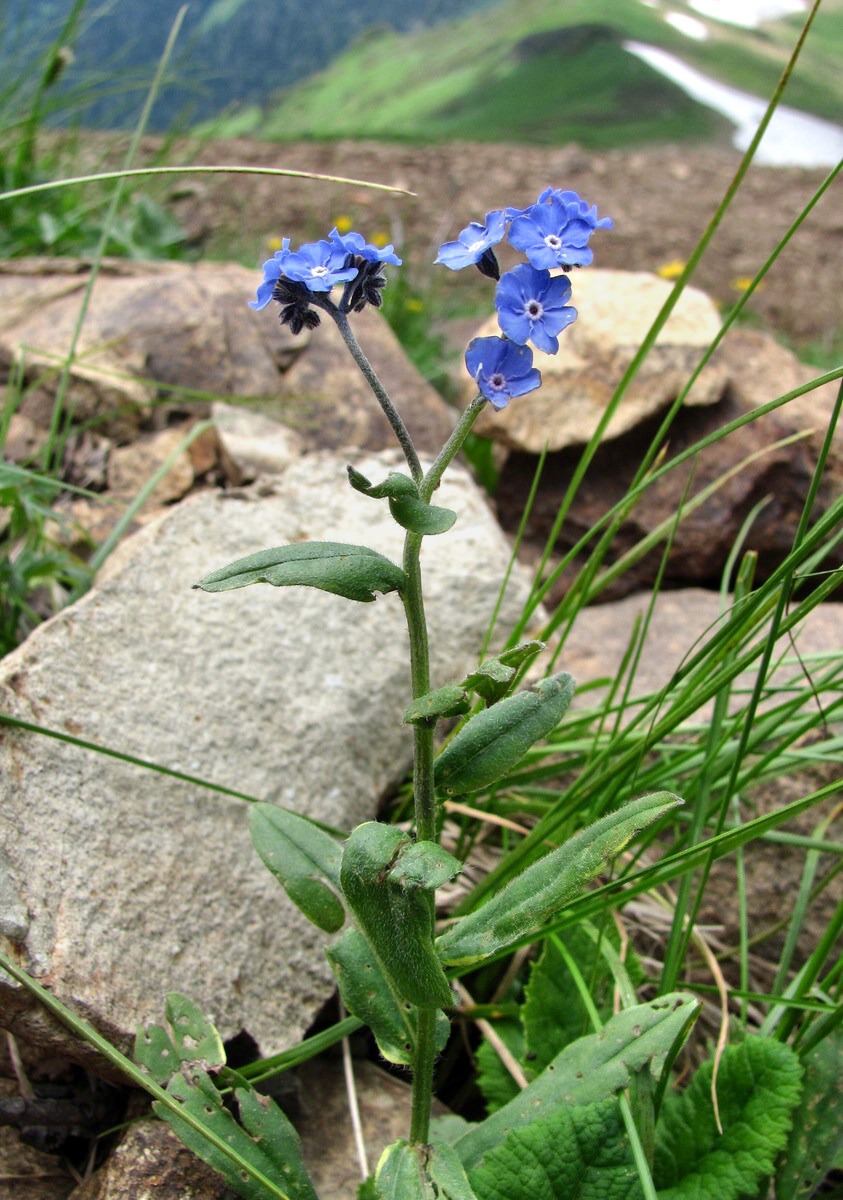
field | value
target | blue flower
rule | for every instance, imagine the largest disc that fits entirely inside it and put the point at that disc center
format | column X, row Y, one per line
column 319, row 266
column 533, row 306
column 355, row 243
column 272, row 271
column 555, row 231
column 501, row 369
column 474, row 245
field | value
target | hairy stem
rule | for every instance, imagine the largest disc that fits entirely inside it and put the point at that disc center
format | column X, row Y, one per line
column 390, row 412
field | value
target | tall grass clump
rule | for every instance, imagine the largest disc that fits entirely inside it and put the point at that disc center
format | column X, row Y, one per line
column 548, row 890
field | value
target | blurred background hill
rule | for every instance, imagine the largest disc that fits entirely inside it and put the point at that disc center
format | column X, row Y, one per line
column 532, row 71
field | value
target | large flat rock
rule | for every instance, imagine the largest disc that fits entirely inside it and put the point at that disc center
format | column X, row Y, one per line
column 120, row 883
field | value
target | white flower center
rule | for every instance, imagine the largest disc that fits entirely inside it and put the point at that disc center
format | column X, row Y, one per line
column 553, row 241
column 497, row 381
column 319, row 271
column 533, row 310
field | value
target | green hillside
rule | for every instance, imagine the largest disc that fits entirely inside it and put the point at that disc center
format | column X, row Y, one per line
column 545, row 72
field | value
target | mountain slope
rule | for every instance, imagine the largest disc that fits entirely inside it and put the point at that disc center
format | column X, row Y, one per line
column 538, row 71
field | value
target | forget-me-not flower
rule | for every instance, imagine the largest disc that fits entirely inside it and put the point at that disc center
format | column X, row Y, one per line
column 533, row 306
column 501, row 369
column 356, row 244
column 319, row 266
column 473, row 246
column 272, row 271
column 555, row 231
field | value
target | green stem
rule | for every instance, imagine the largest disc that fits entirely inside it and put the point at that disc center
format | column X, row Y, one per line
column 451, row 448
column 389, row 410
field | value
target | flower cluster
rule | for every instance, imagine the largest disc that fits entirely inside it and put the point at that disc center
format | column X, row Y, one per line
column 300, row 279
column 532, row 304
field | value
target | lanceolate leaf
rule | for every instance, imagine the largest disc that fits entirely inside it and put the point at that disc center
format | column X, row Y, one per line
column 405, row 503
column 192, row 1040
column 396, row 916
column 537, row 894
column 496, row 739
column 355, row 572
column 589, row 1070
column 434, row 1172
column 304, row 859
column 368, row 994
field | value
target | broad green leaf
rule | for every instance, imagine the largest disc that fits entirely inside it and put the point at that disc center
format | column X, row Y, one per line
column 368, row 995
column 355, row 572
column 433, row 1172
column 536, row 895
column 496, row 739
column 815, row 1145
column 591, row 1069
column 448, row 701
column 303, row 858
column 405, row 503
column 758, row 1089
column 571, row 1154
column 493, row 678
column 266, row 1140
column 553, row 1012
column 397, row 920
column 193, row 1039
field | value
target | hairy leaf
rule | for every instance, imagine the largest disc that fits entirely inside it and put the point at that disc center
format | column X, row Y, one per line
column 432, row 1172
column 536, row 895
column 193, row 1040
column 397, row 917
column 496, row 739
column 448, row 701
column 265, row 1140
column 406, row 505
column 303, row 858
column 368, row 994
column 493, row 678
column 355, row 572
column 815, row 1144
column 758, row 1088
column 590, row 1070
column 571, row 1154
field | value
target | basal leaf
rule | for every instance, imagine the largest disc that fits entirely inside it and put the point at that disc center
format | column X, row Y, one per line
column 572, row 1154
column 590, row 1070
column 758, row 1088
column 192, row 1039
column 368, row 995
column 815, row 1144
column 524, row 905
column 355, row 572
column 431, row 1172
column 303, row 858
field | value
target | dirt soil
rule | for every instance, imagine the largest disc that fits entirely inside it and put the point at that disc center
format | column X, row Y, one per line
column 661, row 200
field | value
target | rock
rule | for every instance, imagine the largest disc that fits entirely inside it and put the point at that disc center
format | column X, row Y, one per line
column 252, row 443
column 131, row 467
column 135, row 883
column 616, row 310
column 754, row 467
column 167, row 327
column 150, row 1160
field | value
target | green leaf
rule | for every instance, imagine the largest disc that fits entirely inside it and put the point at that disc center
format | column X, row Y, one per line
column 524, row 905
column 493, row 1079
column 493, row 678
column 355, row 572
column 302, row 857
column 589, row 1070
column 405, row 503
column 553, row 1012
column 193, row 1040
column 432, row 1172
column 448, row 701
column 397, row 919
column 758, row 1088
column 815, row 1145
column 572, row 1154
column 266, row 1140
column 496, row 739
column 368, row 995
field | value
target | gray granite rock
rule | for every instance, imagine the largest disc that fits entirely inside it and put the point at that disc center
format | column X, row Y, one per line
column 123, row 883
